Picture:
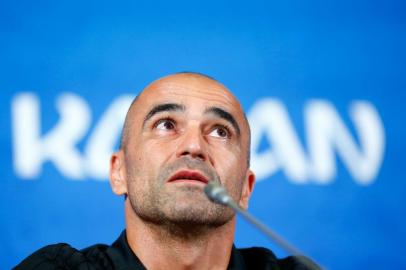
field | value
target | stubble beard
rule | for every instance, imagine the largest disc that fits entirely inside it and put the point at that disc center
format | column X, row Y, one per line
column 183, row 210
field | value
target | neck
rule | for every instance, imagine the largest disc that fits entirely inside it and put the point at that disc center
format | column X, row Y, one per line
column 174, row 247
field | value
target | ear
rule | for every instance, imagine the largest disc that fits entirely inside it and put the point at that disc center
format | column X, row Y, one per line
column 248, row 187
column 118, row 180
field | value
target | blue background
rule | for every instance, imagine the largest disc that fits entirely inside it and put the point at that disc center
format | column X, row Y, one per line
column 295, row 51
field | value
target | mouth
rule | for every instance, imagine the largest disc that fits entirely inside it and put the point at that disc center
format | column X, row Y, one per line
column 188, row 176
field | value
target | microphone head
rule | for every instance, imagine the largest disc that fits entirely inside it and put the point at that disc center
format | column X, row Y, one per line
column 217, row 193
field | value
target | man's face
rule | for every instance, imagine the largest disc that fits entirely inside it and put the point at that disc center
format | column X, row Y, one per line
column 186, row 130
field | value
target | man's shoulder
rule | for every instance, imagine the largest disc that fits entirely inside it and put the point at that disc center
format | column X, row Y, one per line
column 63, row 256
column 263, row 258
column 100, row 256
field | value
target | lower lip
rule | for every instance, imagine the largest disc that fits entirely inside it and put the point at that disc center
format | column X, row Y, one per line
column 188, row 181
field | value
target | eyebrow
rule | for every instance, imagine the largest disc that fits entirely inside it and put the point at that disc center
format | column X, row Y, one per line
column 224, row 115
column 171, row 107
column 166, row 107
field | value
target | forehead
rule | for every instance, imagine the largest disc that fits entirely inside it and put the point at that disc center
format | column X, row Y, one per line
column 190, row 91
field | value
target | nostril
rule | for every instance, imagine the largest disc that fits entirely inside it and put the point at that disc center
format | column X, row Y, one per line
column 193, row 155
column 186, row 153
column 200, row 156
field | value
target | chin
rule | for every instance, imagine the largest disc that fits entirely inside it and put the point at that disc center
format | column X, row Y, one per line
column 200, row 214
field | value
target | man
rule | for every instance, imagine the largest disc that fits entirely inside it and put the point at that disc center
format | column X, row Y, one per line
column 181, row 132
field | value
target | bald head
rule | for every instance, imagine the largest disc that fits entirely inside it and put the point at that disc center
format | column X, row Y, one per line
column 182, row 85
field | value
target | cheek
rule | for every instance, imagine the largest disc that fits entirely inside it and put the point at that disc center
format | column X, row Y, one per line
column 160, row 149
column 150, row 158
column 230, row 159
column 228, row 168
column 231, row 169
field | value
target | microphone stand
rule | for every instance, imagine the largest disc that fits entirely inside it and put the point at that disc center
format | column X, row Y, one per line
column 217, row 193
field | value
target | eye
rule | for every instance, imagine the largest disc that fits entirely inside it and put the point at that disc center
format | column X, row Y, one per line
column 220, row 132
column 165, row 124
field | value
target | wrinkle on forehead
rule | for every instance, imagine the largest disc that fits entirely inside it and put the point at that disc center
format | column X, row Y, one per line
column 181, row 86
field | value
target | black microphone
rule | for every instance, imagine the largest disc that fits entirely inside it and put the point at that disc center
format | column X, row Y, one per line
column 218, row 194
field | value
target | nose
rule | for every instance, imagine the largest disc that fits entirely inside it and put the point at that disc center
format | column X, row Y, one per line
column 192, row 144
